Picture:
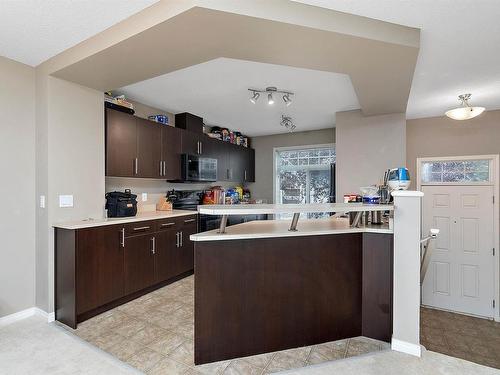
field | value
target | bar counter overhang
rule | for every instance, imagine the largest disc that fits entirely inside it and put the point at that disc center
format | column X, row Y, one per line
column 270, row 285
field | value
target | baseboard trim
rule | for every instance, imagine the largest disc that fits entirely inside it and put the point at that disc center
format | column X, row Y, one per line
column 20, row 315
column 406, row 347
column 49, row 316
column 23, row 314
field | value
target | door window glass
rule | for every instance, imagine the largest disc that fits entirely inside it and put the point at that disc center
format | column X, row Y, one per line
column 456, row 171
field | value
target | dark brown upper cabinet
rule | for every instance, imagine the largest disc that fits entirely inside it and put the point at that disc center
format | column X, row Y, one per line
column 137, row 147
column 171, row 146
column 149, row 163
column 121, row 144
column 190, row 122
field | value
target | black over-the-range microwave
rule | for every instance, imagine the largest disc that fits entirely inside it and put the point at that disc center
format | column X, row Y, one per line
column 197, row 168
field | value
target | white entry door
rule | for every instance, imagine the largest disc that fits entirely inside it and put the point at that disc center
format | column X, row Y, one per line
column 460, row 276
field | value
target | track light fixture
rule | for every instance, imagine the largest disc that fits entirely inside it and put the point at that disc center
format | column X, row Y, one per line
column 270, row 98
column 255, row 96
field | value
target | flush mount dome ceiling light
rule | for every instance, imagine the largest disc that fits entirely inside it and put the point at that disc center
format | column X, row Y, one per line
column 465, row 112
column 270, row 91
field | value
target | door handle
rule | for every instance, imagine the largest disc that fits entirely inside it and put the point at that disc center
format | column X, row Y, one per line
column 181, row 239
column 189, row 220
column 161, row 168
column 136, row 166
column 201, row 147
column 164, row 168
column 167, row 224
column 153, row 250
column 245, row 174
column 122, row 243
column 177, row 239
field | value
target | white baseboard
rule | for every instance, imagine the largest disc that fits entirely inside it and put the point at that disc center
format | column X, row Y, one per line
column 406, row 347
column 23, row 314
column 49, row 316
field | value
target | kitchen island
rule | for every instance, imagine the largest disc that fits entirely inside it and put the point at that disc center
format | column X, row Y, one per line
column 264, row 286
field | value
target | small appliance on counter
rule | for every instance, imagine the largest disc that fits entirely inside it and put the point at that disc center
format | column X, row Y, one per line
column 398, row 179
column 121, row 204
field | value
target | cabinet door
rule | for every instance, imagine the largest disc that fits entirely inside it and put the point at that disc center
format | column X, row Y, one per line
column 249, row 171
column 236, row 164
column 100, row 272
column 213, row 148
column 190, row 143
column 148, row 149
column 121, row 138
column 186, row 256
column 139, row 263
column 166, row 257
column 171, row 150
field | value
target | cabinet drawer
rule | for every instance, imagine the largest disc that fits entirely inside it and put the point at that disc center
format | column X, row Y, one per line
column 188, row 220
column 140, row 227
column 166, row 224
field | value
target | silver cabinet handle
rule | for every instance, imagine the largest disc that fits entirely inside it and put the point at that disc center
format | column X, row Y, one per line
column 181, row 239
column 167, row 224
column 161, row 168
column 177, row 239
column 123, row 237
column 140, row 228
column 153, row 250
column 201, row 147
column 164, row 168
column 136, row 166
column 189, row 220
column 245, row 174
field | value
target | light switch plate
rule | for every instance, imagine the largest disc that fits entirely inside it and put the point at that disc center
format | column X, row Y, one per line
column 65, row 201
column 42, row 201
column 144, row 197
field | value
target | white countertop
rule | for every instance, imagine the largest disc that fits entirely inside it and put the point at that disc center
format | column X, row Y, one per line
column 279, row 228
column 142, row 216
column 249, row 209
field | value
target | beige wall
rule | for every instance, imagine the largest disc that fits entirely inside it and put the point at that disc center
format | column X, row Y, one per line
column 144, row 111
column 70, row 160
column 366, row 147
column 263, row 186
column 441, row 136
column 17, row 189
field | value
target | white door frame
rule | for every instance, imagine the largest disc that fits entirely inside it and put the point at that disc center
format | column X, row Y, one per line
column 495, row 176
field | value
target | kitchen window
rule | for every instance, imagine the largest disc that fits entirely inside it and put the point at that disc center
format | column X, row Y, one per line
column 303, row 174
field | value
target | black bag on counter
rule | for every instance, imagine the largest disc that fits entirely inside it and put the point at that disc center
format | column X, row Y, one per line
column 121, row 204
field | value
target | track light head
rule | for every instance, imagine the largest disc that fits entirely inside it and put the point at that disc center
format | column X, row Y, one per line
column 270, row 99
column 255, row 96
column 287, row 99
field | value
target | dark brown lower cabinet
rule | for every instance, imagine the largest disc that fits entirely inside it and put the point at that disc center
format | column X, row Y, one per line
column 99, row 268
column 101, row 256
column 186, row 246
column 166, row 257
column 139, row 263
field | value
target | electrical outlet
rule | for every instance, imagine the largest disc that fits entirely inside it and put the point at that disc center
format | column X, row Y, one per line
column 65, row 201
column 42, row 201
column 144, row 197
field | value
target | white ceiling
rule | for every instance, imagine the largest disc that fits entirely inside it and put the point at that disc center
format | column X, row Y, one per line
column 218, row 91
column 32, row 31
column 459, row 53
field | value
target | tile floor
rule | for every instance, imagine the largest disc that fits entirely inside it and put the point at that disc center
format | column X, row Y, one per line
column 473, row 339
column 154, row 334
